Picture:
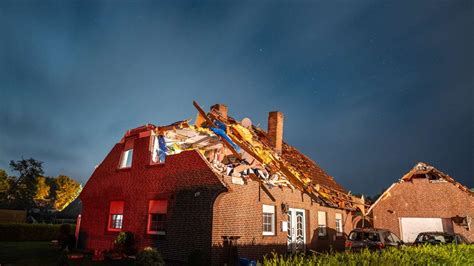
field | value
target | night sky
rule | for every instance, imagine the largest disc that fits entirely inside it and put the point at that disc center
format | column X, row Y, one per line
column 368, row 88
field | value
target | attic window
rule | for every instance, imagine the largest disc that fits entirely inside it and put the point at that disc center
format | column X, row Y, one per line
column 126, row 160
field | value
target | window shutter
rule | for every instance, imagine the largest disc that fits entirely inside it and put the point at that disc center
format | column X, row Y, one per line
column 116, row 207
column 321, row 218
column 128, row 144
column 268, row 209
column 158, row 206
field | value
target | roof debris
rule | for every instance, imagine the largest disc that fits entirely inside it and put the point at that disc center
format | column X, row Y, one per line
column 421, row 170
column 241, row 150
column 424, row 170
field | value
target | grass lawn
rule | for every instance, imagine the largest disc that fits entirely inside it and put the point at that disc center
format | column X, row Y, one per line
column 41, row 253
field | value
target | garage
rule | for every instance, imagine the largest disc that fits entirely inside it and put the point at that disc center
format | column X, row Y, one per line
column 411, row 227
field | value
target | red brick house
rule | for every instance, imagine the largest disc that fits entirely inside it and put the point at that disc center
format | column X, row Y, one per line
column 425, row 200
column 185, row 188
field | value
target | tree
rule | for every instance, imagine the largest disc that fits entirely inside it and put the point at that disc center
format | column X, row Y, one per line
column 25, row 186
column 29, row 168
column 41, row 197
column 6, row 184
column 67, row 190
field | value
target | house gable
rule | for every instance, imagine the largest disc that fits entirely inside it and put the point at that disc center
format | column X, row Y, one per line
column 421, row 195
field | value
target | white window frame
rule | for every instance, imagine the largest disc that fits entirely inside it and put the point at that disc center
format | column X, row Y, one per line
column 127, row 158
column 114, row 224
column 155, row 150
column 322, row 223
column 339, row 227
column 268, row 209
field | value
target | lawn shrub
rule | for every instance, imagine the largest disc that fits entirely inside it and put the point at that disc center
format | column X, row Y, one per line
column 125, row 243
column 422, row 255
column 30, row 232
column 149, row 257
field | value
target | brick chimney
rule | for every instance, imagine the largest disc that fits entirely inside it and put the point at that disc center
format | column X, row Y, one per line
column 220, row 109
column 275, row 130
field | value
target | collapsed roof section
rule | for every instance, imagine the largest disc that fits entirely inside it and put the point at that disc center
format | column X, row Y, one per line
column 424, row 170
column 247, row 153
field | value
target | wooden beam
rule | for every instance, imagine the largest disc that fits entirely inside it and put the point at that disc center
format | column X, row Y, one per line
column 212, row 124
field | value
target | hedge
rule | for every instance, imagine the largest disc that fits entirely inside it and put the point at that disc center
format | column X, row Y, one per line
column 410, row 255
column 30, row 232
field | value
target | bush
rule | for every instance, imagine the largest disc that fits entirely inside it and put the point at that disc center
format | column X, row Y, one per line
column 30, row 232
column 125, row 242
column 422, row 255
column 149, row 257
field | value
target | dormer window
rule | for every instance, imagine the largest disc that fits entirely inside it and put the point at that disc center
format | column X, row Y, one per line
column 126, row 161
column 127, row 154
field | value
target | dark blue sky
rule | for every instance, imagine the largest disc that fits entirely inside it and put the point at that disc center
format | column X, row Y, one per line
column 368, row 88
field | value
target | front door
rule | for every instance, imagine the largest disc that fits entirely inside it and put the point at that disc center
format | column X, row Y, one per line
column 296, row 230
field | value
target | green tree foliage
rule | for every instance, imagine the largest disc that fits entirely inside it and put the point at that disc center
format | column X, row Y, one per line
column 31, row 189
column 6, row 184
column 24, row 188
column 66, row 190
column 28, row 168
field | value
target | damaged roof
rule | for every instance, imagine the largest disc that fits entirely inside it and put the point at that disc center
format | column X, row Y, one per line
column 309, row 167
column 239, row 149
column 422, row 170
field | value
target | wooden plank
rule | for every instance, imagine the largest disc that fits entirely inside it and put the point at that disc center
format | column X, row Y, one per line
column 203, row 114
column 211, row 123
column 263, row 187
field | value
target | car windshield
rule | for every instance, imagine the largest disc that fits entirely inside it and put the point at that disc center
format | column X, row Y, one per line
column 435, row 238
column 359, row 236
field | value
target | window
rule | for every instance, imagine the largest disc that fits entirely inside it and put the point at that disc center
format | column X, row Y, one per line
column 116, row 221
column 157, row 210
column 126, row 160
column 158, row 152
column 115, row 216
column 268, row 220
column 339, row 230
column 322, row 223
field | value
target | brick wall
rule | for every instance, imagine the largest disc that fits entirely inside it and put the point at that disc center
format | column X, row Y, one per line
column 420, row 198
column 275, row 130
column 185, row 180
column 239, row 213
column 200, row 208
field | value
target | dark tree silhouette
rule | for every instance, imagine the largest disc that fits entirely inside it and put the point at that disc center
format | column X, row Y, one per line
column 25, row 185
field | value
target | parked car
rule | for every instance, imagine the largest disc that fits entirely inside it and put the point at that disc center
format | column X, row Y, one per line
column 437, row 238
column 371, row 238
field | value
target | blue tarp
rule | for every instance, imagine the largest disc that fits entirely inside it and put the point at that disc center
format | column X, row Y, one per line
column 221, row 133
column 221, row 125
column 162, row 149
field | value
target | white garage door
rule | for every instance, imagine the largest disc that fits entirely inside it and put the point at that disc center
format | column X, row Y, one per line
column 411, row 227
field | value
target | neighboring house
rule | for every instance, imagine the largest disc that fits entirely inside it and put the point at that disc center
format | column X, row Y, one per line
column 71, row 211
column 212, row 186
column 425, row 200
